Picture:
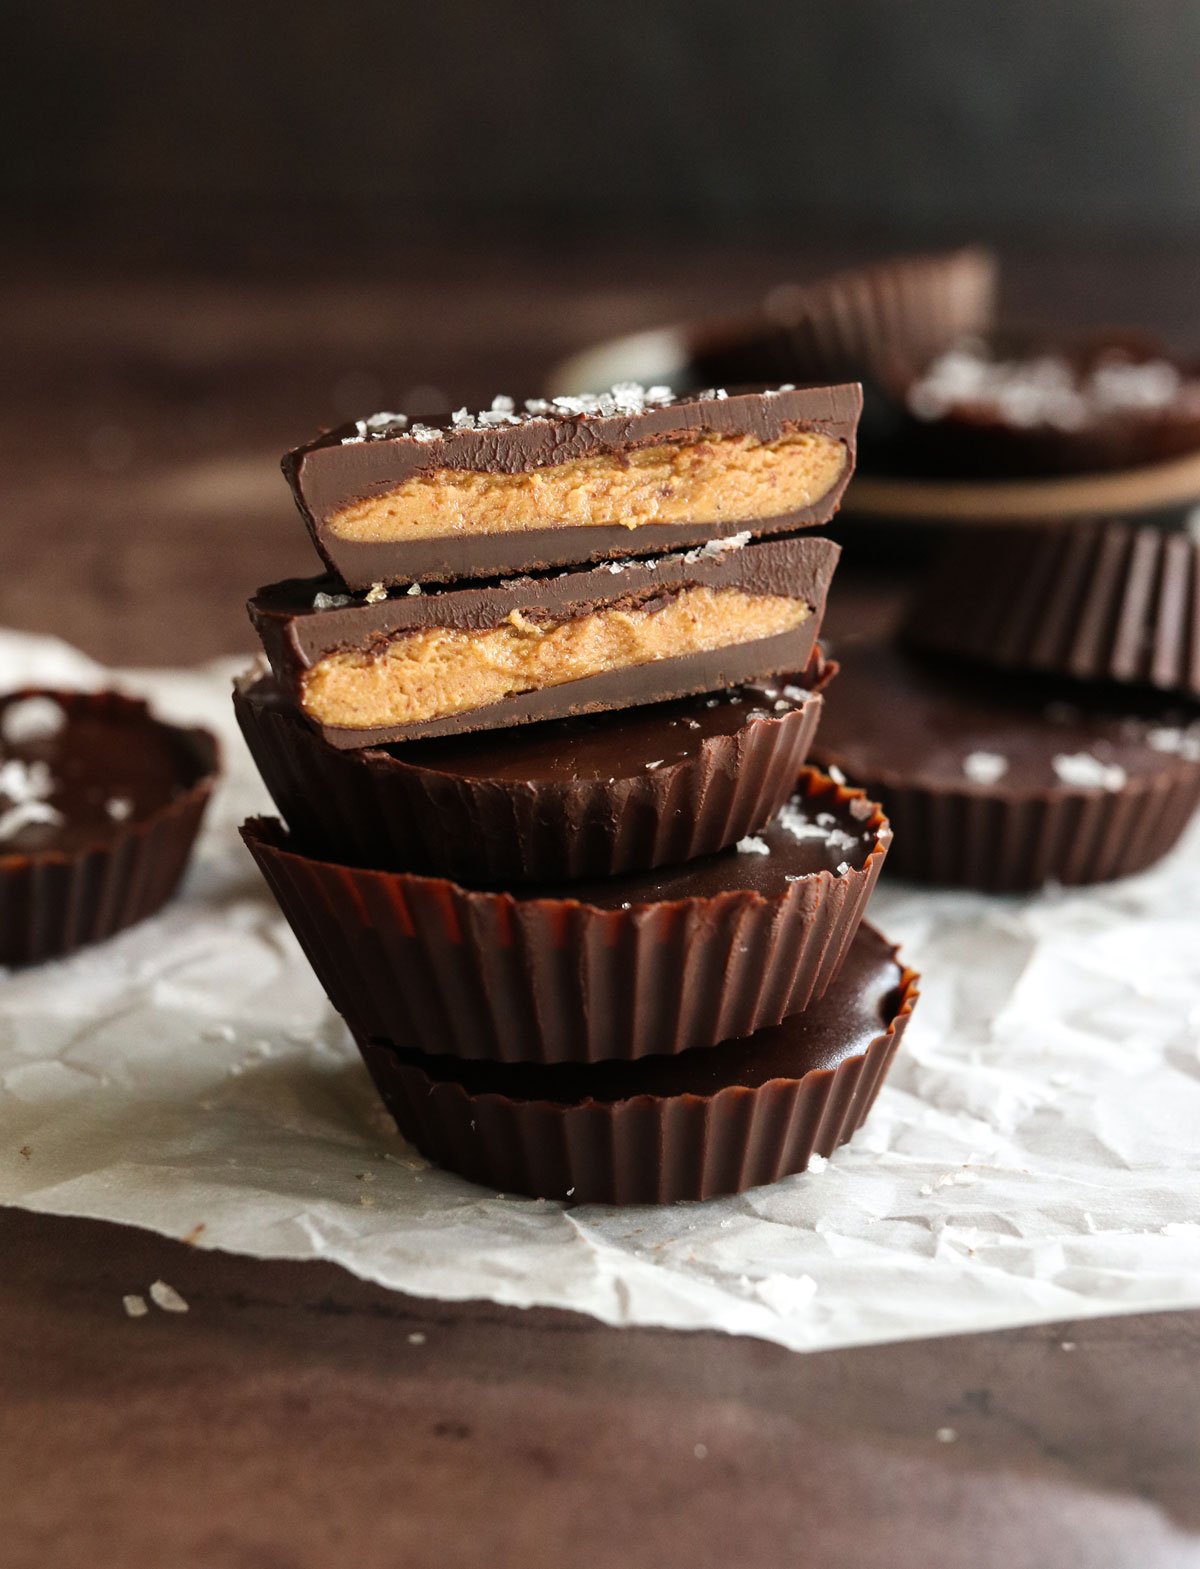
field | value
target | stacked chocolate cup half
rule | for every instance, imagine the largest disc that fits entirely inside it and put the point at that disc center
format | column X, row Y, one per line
column 539, row 737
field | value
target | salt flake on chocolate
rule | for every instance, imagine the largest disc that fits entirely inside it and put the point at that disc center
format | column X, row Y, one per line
column 29, row 719
column 1083, row 771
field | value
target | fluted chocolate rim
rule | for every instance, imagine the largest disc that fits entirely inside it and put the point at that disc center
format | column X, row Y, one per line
column 1017, row 840
column 377, row 808
column 54, row 901
column 1097, row 602
column 869, row 322
column 645, row 1148
column 422, row 961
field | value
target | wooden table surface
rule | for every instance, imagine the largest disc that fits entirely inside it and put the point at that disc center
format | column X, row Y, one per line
column 295, row 1417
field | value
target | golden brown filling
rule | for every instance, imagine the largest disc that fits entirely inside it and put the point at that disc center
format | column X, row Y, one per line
column 440, row 671
column 711, row 480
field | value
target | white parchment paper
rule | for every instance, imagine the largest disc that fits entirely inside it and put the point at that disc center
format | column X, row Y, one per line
column 1034, row 1156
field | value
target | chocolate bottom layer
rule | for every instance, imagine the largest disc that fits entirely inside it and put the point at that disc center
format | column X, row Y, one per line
column 655, row 1131
column 649, row 962
column 1003, row 784
column 587, row 797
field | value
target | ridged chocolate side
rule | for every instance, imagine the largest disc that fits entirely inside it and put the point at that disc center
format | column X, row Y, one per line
column 862, row 323
column 651, row 1149
column 54, row 902
column 1004, row 843
column 376, row 808
column 1098, row 602
column 425, row 963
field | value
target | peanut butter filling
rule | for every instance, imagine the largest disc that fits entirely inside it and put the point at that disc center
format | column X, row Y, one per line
column 710, row 480
column 439, row 671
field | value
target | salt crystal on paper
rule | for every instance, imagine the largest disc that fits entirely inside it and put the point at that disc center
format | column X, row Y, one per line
column 786, row 1294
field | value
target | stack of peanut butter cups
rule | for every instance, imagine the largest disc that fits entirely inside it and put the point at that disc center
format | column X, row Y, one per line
column 539, row 738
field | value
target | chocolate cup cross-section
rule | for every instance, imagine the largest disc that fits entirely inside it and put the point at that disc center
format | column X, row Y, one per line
column 389, row 500
column 411, row 666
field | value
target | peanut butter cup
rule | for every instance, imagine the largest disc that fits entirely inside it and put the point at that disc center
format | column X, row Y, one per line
column 412, row 665
column 559, row 481
column 648, row 962
column 660, row 1129
column 1007, row 784
column 585, row 797
column 99, row 805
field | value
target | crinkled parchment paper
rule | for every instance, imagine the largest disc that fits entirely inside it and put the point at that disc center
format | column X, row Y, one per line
column 1035, row 1154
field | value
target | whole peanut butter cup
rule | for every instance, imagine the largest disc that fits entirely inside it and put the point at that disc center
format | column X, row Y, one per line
column 1005, row 784
column 586, row 797
column 100, row 803
column 623, row 967
column 660, row 1129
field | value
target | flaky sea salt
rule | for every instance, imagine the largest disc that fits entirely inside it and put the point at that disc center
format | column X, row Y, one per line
column 324, row 601
column 414, row 588
column 1182, row 741
column 718, row 547
column 29, row 719
column 135, row 1305
column 795, row 820
column 375, row 594
column 118, row 808
column 1082, row 771
column 24, row 782
column 984, row 768
column 753, row 845
column 167, row 1298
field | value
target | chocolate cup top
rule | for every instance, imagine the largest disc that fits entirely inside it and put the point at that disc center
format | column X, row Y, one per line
column 898, row 716
column 1013, row 404
column 871, row 994
column 583, row 797
column 358, row 461
column 108, row 767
